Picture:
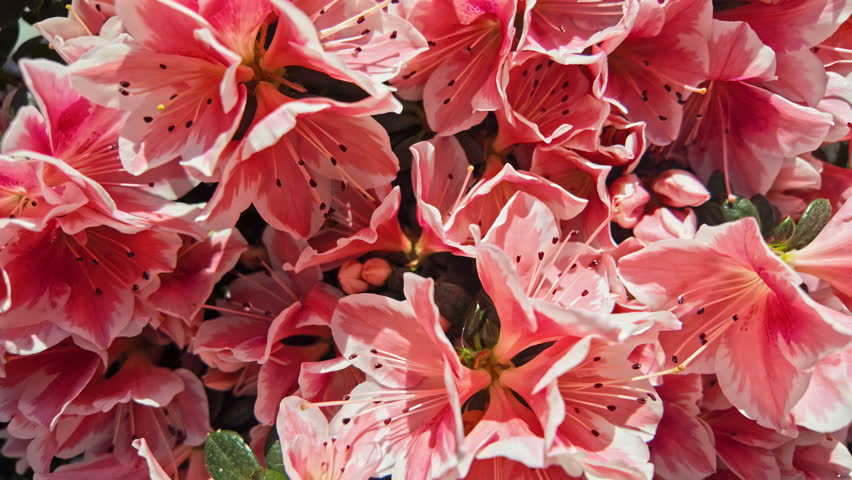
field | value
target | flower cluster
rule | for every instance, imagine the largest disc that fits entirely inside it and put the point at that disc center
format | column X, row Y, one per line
column 430, row 239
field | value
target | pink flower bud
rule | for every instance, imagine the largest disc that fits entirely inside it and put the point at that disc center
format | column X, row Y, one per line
column 631, row 198
column 666, row 224
column 679, row 188
column 376, row 271
column 350, row 279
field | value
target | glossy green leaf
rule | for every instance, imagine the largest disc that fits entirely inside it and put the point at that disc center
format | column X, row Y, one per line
column 813, row 220
column 739, row 208
column 228, row 456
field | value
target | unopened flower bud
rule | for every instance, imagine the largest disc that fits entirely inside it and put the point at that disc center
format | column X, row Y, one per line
column 349, row 277
column 679, row 188
column 376, row 271
column 631, row 198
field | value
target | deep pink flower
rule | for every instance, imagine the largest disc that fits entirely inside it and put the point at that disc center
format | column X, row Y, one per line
column 185, row 85
column 744, row 316
column 76, row 139
column 550, row 102
column 167, row 408
column 179, row 295
column 750, row 148
column 291, row 161
column 586, row 180
column 457, row 76
column 88, row 281
column 357, row 225
column 684, row 446
column 659, row 64
column 261, row 311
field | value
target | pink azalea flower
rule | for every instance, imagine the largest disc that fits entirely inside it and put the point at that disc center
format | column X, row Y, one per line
column 585, row 179
column 262, row 310
column 167, row 408
column 564, row 27
column 550, row 102
column 746, row 448
column 308, row 146
column 89, row 281
column 797, row 183
column 666, row 224
column 742, row 148
column 663, row 58
column 805, row 23
column 89, row 23
column 180, row 294
column 825, row 406
column 364, row 35
column 39, row 387
column 684, row 446
column 576, row 435
column 457, row 77
column 447, row 206
column 817, row 455
column 355, row 226
column 415, row 382
column 743, row 316
column 318, row 448
column 828, row 255
column 207, row 55
column 78, row 139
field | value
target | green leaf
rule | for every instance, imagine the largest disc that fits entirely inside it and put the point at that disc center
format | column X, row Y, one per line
column 782, row 234
column 228, row 457
column 273, row 456
column 813, row 220
column 740, row 208
column 267, row 474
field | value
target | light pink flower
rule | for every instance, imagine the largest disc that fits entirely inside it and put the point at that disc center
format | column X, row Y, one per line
column 447, row 206
column 744, row 316
column 793, row 24
column 414, row 375
column 89, row 23
column 314, row 447
column 826, row 406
